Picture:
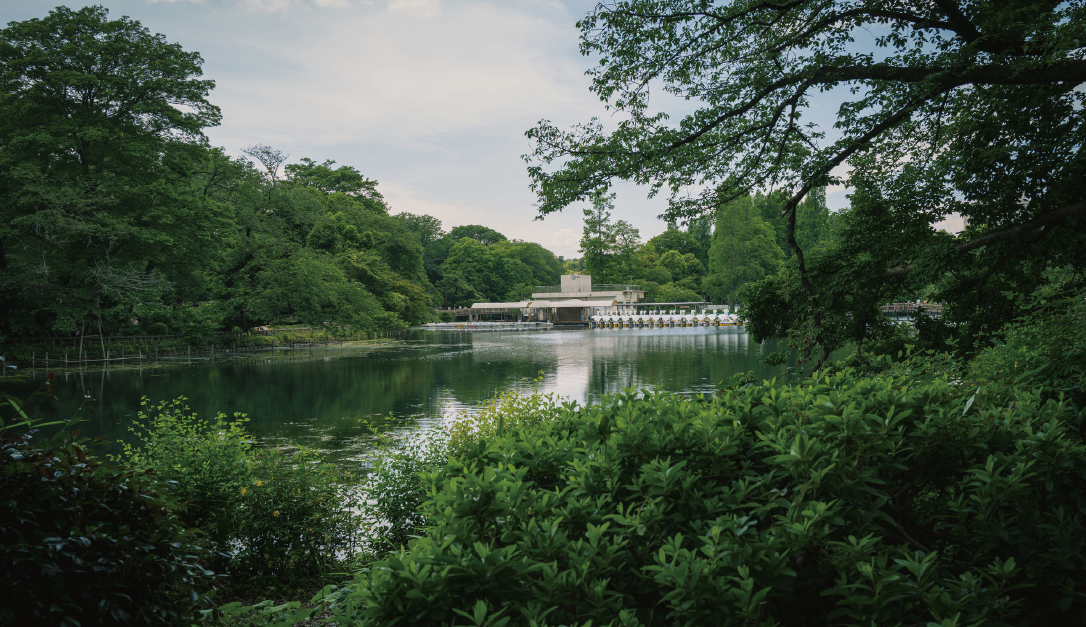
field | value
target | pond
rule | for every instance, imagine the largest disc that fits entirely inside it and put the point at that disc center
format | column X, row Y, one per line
column 328, row 398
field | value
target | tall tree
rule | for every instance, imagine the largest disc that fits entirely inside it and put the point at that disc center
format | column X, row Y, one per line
column 608, row 247
column 948, row 106
column 682, row 241
column 100, row 119
column 482, row 234
column 743, row 251
column 435, row 244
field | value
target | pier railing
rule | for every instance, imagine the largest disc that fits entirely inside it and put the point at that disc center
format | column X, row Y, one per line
column 909, row 309
column 596, row 287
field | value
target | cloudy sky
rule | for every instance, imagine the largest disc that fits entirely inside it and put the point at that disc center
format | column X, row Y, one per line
column 429, row 97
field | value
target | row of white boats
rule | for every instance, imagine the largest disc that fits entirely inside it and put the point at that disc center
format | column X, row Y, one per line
column 666, row 320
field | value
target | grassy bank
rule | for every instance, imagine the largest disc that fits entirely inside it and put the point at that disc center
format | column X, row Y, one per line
column 58, row 352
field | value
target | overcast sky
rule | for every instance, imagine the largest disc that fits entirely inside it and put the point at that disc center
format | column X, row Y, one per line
column 429, row 97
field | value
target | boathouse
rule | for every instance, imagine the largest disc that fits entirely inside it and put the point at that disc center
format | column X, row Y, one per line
column 577, row 299
column 574, row 302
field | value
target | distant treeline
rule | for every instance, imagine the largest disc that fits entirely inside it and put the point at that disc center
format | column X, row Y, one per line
column 116, row 215
column 711, row 257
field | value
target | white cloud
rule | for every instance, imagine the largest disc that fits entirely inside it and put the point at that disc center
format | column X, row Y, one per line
column 416, row 8
column 482, row 69
column 564, row 239
column 269, row 6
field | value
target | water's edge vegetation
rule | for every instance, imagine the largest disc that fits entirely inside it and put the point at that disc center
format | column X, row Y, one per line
column 937, row 476
column 930, row 490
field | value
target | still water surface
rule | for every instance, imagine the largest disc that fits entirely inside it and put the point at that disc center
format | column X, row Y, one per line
column 328, row 398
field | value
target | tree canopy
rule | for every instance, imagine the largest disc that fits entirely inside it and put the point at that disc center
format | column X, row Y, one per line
column 100, row 120
column 116, row 214
column 947, row 107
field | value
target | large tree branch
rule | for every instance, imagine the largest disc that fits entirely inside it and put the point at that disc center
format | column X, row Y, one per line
column 54, row 288
column 1070, row 71
column 1067, row 71
column 1011, row 232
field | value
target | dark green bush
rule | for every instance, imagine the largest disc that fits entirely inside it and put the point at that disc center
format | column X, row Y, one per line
column 86, row 543
column 157, row 328
column 276, row 518
column 295, row 524
column 206, row 462
column 845, row 500
column 1044, row 349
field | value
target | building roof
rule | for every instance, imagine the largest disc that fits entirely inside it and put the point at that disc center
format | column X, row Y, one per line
column 521, row 305
column 541, row 304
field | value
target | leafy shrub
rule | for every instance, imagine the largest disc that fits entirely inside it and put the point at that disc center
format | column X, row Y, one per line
column 508, row 410
column 86, row 543
column 1044, row 349
column 295, row 520
column 261, row 340
column 842, row 500
column 206, row 461
column 394, row 488
column 157, row 328
column 275, row 517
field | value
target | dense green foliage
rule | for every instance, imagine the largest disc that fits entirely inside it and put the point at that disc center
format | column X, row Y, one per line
column 956, row 107
column 711, row 258
column 115, row 213
column 501, row 271
column 840, row 500
column 276, row 518
column 669, row 267
column 88, row 543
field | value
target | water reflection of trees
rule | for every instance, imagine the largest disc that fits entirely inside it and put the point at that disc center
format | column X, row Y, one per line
column 330, row 399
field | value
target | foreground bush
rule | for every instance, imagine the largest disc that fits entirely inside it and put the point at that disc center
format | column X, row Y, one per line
column 394, row 488
column 278, row 519
column 86, row 543
column 206, row 461
column 295, row 524
column 1045, row 349
column 842, row 501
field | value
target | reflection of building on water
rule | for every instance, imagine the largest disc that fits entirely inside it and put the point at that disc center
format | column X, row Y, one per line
column 606, row 363
column 571, row 375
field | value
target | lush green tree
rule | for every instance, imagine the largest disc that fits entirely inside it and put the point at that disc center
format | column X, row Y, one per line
column 597, row 239
column 675, row 293
column 608, row 247
column 815, row 224
column 101, row 119
column 543, row 266
column 681, row 241
column 435, row 244
column 743, row 250
column 472, row 264
column 948, row 107
column 482, row 234
column 343, row 180
column 673, row 262
column 306, row 254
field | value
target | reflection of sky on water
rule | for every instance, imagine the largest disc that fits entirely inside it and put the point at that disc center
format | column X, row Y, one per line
column 333, row 398
column 619, row 358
